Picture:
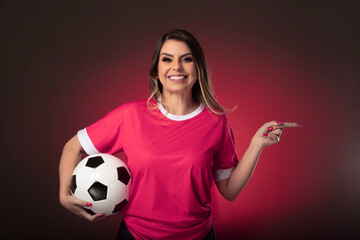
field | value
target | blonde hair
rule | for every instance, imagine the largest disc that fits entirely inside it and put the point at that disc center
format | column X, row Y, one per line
column 202, row 91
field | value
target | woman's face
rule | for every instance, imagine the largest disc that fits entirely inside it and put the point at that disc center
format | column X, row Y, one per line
column 176, row 68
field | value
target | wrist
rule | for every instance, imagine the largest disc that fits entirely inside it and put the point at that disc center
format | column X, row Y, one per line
column 256, row 144
column 64, row 193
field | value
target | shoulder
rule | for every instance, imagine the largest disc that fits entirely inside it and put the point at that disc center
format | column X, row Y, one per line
column 135, row 108
column 134, row 104
column 126, row 108
column 219, row 117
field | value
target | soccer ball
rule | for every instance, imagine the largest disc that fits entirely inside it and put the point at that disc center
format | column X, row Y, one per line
column 103, row 180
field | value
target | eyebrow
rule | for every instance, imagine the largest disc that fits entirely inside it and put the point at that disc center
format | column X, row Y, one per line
column 167, row 54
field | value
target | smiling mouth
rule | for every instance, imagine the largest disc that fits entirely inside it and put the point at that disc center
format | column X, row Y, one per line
column 177, row 77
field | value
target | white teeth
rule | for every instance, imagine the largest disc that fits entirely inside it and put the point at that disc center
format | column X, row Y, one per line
column 177, row 77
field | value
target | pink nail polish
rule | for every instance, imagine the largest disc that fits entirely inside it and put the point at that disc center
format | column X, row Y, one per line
column 265, row 134
column 279, row 122
column 270, row 128
column 88, row 204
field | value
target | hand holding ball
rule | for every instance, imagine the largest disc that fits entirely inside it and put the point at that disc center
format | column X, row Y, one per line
column 103, row 180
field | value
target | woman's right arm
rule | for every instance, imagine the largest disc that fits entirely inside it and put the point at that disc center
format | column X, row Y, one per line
column 70, row 157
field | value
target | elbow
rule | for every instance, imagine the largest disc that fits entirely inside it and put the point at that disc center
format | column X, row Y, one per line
column 228, row 192
column 230, row 197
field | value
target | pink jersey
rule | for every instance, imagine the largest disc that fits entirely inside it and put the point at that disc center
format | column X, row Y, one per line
column 173, row 161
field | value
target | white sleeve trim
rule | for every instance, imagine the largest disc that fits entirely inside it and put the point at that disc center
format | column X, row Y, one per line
column 86, row 142
column 222, row 174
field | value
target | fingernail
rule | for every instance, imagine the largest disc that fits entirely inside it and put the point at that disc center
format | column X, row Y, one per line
column 270, row 128
column 265, row 134
column 279, row 122
column 88, row 204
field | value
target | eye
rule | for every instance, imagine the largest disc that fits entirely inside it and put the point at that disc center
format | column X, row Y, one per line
column 187, row 59
column 166, row 59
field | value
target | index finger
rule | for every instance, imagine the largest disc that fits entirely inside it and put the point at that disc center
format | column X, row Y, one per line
column 291, row 124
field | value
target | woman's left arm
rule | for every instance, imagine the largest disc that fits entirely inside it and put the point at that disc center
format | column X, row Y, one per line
column 267, row 135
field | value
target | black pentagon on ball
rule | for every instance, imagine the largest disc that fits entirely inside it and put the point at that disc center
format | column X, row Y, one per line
column 119, row 206
column 94, row 162
column 98, row 191
column 73, row 184
column 123, row 175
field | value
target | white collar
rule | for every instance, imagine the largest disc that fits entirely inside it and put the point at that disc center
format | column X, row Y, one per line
column 179, row 117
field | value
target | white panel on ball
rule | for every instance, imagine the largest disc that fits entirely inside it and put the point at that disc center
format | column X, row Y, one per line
column 85, row 177
column 80, row 165
column 103, row 206
column 117, row 192
column 83, row 195
column 107, row 173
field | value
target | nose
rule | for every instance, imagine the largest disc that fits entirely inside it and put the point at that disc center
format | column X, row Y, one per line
column 177, row 65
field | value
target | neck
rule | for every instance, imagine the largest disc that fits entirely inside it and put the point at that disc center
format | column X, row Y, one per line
column 178, row 104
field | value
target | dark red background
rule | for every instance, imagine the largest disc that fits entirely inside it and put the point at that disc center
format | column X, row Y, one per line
column 65, row 64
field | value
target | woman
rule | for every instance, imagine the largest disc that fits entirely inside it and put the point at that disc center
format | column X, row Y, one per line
column 177, row 142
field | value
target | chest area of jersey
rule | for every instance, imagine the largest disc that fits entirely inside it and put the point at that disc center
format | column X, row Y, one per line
column 181, row 145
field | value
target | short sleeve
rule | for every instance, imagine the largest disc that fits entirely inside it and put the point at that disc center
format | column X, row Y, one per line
column 103, row 136
column 225, row 158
